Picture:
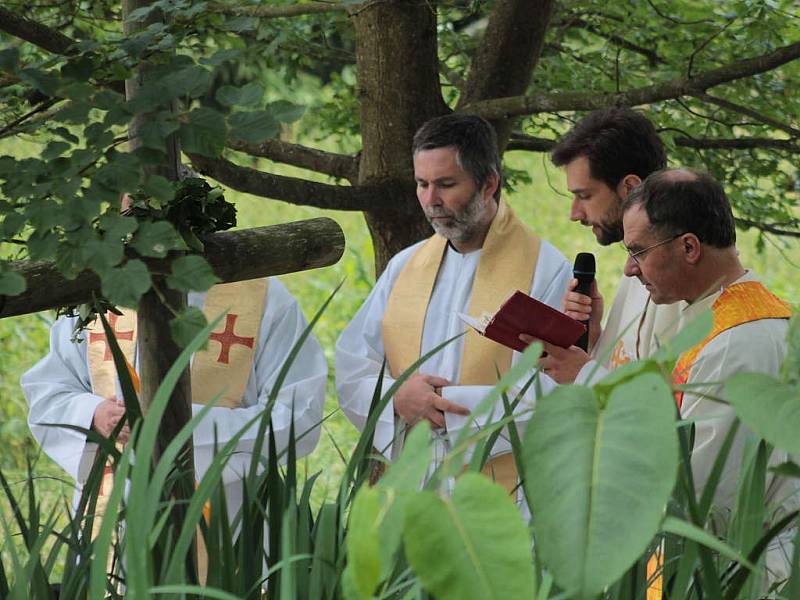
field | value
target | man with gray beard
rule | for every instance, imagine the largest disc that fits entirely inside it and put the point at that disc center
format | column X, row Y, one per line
column 481, row 252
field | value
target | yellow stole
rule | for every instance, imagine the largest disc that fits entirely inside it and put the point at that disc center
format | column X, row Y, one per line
column 737, row 304
column 228, row 358
column 507, row 263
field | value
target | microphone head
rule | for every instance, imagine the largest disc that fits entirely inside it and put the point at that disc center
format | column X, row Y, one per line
column 584, row 265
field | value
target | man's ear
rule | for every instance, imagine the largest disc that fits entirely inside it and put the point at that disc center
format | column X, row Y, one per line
column 490, row 185
column 626, row 185
column 691, row 248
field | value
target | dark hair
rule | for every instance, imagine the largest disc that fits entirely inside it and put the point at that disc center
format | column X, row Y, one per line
column 617, row 142
column 686, row 201
column 473, row 138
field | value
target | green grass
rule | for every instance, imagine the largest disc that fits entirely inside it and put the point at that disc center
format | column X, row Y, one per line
column 25, row 339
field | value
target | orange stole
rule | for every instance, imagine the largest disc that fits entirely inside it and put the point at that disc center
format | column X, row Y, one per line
column 738, row 304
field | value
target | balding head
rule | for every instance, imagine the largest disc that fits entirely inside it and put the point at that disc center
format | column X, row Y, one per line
column 685, row 200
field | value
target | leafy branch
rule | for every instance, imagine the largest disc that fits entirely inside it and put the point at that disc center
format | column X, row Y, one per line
column 669, row 90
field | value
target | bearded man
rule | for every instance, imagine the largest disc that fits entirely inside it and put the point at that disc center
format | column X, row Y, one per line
column 480, row 253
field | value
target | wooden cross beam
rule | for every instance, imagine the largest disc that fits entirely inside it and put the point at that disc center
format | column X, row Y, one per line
column 233, row 255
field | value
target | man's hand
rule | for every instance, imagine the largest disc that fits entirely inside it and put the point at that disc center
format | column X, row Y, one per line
column 584, row 308
column 561, row 364
column 420, row 398
column 107, row 415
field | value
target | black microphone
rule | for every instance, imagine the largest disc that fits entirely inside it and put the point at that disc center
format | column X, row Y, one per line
column 583, row 271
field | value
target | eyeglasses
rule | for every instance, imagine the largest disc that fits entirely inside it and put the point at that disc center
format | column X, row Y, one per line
column 635, row 255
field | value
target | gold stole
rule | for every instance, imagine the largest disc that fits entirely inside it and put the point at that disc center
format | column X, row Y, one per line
column 507, row 263
column 738, row 304
column 226, row 361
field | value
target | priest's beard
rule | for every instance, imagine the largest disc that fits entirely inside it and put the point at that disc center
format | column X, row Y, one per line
column 460, row 225
column 610, row 228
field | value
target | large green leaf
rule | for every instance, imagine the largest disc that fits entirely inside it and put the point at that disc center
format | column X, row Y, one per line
column 599, row 478
column 363, row 542
column 253, row 127
column 11, row 283
column 191, row 273
column 156, row 239
column 471, row 546
column 768, row 407
column 125, row 285
column 204, row 132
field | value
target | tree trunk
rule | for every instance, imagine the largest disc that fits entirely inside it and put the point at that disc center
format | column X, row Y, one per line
column 396, row 51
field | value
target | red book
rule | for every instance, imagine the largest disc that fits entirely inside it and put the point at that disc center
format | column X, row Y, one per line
column 523, row 314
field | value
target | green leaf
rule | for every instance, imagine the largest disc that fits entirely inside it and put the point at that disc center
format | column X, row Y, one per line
column 125, row 285
column 54, row 149
column 787, row 469
column 9, row 57
column 115, row 226
column 192, row 81
column 99, row 255
column 363, row 547
column 254, row 126
column 204, row 132
column 11, row 283
column 120, row 173
column 44, row 81
column 188, row 324
column 247, row 95
column 768, row 407
column 159, row 188
column 692, row 532
column 599, row 478
column 222, row 56
column 191, row 273
column 239, row 24
column 286, row 112
column 471, row 546
column 156, row 239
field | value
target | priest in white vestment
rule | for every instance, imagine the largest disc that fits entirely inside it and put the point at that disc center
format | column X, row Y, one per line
column 479, row 255
column 75, row 381
column 680, row 236
column 605, row 155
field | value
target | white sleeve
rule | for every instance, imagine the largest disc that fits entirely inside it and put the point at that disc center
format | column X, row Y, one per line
column 360, row 356
column 755, row 347
column 59, row 391
column 302, row 392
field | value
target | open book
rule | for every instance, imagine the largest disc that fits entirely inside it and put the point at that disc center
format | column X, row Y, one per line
column 523, row 314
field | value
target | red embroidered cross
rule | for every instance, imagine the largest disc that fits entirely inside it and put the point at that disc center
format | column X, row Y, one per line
column 227, row 339
column 101, row 337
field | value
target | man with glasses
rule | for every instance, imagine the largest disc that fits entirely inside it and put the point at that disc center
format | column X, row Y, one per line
column 680, row 236
column 605, row 156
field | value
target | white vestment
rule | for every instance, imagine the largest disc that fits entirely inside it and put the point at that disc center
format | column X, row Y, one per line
column 635, row 326
column 754, row 347
column 59, row 391
column 360, row 348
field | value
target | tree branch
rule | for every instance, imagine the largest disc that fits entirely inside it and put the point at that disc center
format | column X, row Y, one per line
column 530, row 143
column 749, row 112
column 301, row 191
column 335, row 165
column 775, row 228
column 737, row 143
column 652, row 57
column 274, row 12
column 668, row 90
column 35, row 33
